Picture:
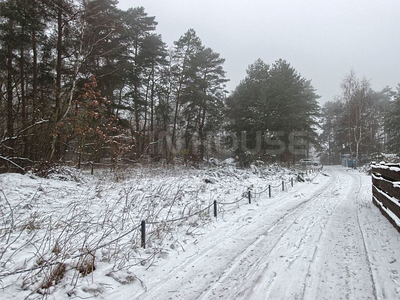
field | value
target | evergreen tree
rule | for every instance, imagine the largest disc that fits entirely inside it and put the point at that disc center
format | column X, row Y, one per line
column 333, row 134
column 153, row 57
column 49, row 52
column 183, row 76
column 138, row 26
column 274, row 100
column 392, row 123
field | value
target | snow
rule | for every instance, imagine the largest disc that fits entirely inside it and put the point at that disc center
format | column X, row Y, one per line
column 389, row 212
column 394, row 169
column 321, row 239
column 391, row 167
column 388, row 197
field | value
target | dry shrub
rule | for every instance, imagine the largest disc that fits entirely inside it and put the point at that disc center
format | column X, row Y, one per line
column 55, row 277
column 86, row 265
column 56, row 249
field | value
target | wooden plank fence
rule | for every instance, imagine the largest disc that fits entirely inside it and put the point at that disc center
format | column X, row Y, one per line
column 386, row 191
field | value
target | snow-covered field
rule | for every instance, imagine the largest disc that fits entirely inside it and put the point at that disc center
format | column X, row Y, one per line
column 78, row 236
column 54, row 231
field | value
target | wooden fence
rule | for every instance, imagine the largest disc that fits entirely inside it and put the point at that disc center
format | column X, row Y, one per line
column 386, row 191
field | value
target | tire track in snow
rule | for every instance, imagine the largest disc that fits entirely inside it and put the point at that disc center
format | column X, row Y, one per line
column 332, row 244
column 342, row 270
column 254, row 270
column 213, row 252
column 364, row 240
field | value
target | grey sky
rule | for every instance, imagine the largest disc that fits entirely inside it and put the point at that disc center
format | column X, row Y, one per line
column 322, row 39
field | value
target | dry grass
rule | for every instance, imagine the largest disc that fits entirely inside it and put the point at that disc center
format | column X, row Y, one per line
column 86, row 264
column 56, row 275
column 82, row 227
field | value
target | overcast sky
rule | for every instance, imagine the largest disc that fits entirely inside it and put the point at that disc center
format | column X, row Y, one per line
column 322, row 39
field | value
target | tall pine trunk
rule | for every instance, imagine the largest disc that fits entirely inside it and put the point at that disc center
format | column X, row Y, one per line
column 177, row 103
column 23, row 96
column 59, row 65
column 144, row 136
column 152, row 112
column 35, row 72
column 57, row 111
column 10, row 113
column 201, row 134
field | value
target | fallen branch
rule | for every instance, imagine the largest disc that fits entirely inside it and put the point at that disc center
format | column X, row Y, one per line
column 13, row 163
column 14, row 137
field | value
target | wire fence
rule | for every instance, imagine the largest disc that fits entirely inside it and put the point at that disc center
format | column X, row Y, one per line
column 143, row 224
column 231, row 203
column 182, row 218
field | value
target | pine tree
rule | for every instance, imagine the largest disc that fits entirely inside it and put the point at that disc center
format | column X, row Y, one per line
column 392, row 123
column 209, row 94
column 187, row 47
column 333, row 134
column 153, row 59
column 274, row 100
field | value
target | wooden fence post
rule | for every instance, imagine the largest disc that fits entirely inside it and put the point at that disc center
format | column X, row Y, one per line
column 143, row 233
column 215, row 208
column 249, row 193
column 283, row 186
column 269, row 191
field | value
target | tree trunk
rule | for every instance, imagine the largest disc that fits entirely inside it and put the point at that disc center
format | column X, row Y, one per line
column 145, row 117
column 152, row 100
column 136, row 84
column 152, row 113
column 10, row 113
column 57, row 112
column 173, row 142
column 23, row 98
column 35, row 68
column 201, row 134
column 59, row 64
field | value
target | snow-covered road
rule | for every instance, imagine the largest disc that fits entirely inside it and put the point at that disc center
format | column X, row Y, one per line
column 319, row 240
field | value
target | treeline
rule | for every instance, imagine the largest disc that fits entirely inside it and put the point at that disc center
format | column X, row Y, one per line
column 361, row 123
column 82, row 81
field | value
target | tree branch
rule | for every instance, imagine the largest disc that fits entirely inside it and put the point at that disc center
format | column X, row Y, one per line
column 16, row 136
column 13, row 163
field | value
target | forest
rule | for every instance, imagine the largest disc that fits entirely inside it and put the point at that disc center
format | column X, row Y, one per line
column 84, row 82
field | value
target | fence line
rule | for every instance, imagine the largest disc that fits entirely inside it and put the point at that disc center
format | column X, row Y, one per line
column 181, row 218
column 386, row 191
column 142, row 227
column 230, row 203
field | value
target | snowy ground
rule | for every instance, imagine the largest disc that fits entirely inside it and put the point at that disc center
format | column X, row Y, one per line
column 321, row 239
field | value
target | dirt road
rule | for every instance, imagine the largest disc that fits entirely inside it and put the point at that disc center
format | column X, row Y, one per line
column 321, row 240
